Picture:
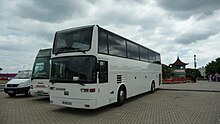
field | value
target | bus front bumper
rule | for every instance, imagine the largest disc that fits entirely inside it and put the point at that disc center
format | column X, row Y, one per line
column 39, row 92
column 74, row 103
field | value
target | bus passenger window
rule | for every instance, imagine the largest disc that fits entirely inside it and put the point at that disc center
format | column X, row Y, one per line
column 102, row 42
column 103, row 72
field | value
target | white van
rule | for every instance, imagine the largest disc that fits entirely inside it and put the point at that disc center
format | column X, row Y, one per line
column 20, row 84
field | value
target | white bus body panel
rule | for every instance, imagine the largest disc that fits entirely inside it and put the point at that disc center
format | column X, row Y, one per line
column 137, row 77
column 72, row 95
column 40, row 87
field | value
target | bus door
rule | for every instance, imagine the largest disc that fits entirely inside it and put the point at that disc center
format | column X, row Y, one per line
column 103, row 86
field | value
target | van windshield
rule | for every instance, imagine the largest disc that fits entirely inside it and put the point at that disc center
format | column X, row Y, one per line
column 23, row 75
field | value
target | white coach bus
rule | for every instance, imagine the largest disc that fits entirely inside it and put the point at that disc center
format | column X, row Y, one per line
column 40, row 73
column 92, row 67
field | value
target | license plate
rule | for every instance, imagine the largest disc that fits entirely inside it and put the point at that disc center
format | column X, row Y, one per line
column 40, row 86
column 10, row 91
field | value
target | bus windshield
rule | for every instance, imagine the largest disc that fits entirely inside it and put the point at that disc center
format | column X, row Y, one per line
column 78, row 69
column 73, row 40
column 41, row 68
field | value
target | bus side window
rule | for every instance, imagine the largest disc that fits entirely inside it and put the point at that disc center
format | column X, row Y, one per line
column 103, row 72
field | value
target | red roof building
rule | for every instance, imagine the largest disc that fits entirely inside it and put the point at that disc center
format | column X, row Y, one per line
column 178, row 68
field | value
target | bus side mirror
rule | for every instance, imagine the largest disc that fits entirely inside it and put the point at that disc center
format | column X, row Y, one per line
column 97, row 67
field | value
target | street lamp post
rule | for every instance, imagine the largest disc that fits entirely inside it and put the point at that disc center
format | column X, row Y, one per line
column 194, row 80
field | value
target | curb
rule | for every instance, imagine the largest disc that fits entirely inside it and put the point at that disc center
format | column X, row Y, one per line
column 199, row 90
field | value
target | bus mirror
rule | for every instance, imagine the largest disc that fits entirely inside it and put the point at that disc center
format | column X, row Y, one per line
column 76, row 78
column 97, row 67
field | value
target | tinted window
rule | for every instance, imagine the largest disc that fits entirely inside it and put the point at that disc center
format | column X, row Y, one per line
column 158, row 58
column 144, row 54
column 152, row 56
column 102, row 43
column 25, row 74
column 103, row 71
column 117, row 45
column 132, row 50
column 41, row 68
column 44, row 53
column 73, row 40
column 67, row 69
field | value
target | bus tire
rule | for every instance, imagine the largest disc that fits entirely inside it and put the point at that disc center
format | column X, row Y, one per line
column 152, row 87
column 121, row 96
column 12, row 94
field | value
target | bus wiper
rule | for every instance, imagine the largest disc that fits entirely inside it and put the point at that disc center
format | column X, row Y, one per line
column 78, row 49
column 81, row 83
column 77, row 79
column 64, row 48
column 68, row 48
column 52, row 82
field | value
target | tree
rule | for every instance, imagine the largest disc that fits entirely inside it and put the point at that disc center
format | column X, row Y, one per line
column 166, row 71
column 213, row 67
column 193, row 72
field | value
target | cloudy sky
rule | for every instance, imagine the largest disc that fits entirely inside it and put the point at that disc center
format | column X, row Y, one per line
column 171, row 27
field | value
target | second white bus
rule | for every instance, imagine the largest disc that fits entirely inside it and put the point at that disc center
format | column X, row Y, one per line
column 40, row 73
column 92, row 67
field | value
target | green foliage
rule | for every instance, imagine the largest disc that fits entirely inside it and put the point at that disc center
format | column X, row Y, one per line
column 166, row 71
column 192, row 72
column 213, row 67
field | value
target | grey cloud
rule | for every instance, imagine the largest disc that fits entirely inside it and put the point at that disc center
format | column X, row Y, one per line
column 51, row 11
column 128, row 17
column 190, row 37
column 132, row 1
column 183, row 9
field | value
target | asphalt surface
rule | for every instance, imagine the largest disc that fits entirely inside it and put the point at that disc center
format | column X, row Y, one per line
column 162, row 107
column 203, row 86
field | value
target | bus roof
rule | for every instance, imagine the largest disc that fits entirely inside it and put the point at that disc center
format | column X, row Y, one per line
column 75, row 28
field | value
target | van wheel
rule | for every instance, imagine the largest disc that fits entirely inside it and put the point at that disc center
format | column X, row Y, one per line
column 152, row 87
column 121, row 96
column 27, row 93
column 12, row 94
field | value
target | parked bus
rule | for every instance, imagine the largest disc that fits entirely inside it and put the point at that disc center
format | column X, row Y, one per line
column 40, row 74
column 92, row 67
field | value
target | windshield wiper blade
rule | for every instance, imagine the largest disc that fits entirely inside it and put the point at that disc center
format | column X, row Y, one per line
column 53, row 81
column 78, row 49
column 64, row 48
column 81, row 83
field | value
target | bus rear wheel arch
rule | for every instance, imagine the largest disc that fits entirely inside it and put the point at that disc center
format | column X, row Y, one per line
column 121, row 96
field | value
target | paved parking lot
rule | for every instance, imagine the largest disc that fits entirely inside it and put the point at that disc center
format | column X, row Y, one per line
column 203, row 86
column 162, row 107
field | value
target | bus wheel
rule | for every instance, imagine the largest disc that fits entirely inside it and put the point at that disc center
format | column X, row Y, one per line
column 12, row 94
column 152, row 87
column 121, row 96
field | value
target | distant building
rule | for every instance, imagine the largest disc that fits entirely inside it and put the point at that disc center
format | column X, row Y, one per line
column 178, row 69
column 7, row 76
